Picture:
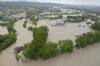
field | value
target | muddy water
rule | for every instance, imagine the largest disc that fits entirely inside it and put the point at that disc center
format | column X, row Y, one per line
column 3, row 30
column 67, row 31
column 89, row 56
column 7, row 57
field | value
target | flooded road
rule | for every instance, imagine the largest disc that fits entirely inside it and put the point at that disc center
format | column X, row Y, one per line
column 89, row 56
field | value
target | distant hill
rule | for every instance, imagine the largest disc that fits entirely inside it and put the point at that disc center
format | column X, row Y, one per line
column 30, row 4
column 48, row 5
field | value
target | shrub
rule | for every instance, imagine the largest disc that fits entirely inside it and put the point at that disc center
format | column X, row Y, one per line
column 96, row 26
column 30, row 28
column 48, row 50
column 6, row 41
column 87, row 39
column 66, row 46
column 24, row 24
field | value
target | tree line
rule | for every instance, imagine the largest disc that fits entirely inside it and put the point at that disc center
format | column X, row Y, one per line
column 87, row 39
column 90, row 37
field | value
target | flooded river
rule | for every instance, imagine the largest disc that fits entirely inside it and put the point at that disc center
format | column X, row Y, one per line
column 3, row 30
column 24, row 36
column 89, row 56
column 66, row 31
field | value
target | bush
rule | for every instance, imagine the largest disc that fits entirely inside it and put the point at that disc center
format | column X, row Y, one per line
column 40, row 34
column 96, row 26
column 66, row 46
column 28, row 51
column 97, row 36
column 6, row 41
column 48, row 50
column 10, row 26
column 87, row 39
column 34, row 19
column 3, row 24
column 30, row 28
column 24, row 24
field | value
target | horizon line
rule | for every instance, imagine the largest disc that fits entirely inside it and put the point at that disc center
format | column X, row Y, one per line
column 54, row 3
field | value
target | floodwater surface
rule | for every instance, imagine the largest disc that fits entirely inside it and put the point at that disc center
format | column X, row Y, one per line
column 24, row 36
column 3, row 30
column 89, row 56
column 66, row 31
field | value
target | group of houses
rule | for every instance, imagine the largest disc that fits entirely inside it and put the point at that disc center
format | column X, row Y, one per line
column 60, row 13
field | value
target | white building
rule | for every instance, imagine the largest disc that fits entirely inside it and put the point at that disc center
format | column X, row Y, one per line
column 57, row 22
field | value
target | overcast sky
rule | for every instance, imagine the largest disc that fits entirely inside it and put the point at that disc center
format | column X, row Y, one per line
column 89, row 2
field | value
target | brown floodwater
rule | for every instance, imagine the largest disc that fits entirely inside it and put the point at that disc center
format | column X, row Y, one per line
column 89, row 56
column 3, row 30
column 63, row 32
column 24, row 36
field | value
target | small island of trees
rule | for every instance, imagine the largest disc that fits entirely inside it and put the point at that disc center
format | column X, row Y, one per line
column 41, row 48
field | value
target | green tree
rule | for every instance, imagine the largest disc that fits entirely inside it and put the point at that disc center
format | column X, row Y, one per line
column 48, row 50
column 96, row 26
column 66, row 46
